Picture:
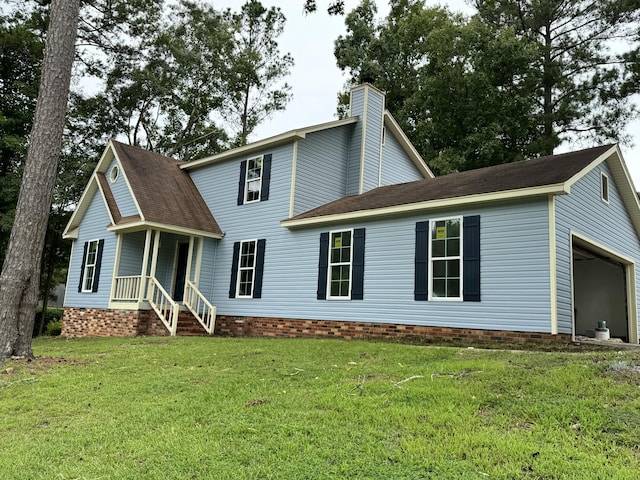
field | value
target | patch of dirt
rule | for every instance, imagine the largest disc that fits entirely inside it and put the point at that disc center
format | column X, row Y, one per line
column 17, row 366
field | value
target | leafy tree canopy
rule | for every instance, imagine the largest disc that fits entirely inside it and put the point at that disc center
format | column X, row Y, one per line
column 478, row 91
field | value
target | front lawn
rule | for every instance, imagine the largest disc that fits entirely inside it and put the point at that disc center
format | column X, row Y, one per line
column 229, row 408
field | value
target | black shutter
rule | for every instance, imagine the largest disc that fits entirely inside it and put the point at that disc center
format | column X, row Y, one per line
column 96, row 270
column 323, row 264
column 242, row 182
column 471, row 259
column 357, row 275
column 234, row 270
column 266, row 177
column 421, row 274
column 257, row 285
column 84, row 262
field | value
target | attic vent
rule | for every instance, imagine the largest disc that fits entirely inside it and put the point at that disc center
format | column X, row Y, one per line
column 113, row 175
column 604, row 188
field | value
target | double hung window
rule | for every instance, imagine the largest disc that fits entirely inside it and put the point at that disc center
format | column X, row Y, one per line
column 253, row 180
column 255, row 176
column 446, row 259
column 90, row 269
column 246, row 268
column 90, row 266
column 340, row 258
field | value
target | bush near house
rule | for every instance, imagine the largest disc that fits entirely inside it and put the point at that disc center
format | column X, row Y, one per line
column 52, row 315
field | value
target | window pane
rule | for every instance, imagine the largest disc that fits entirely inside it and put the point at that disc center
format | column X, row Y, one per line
column 453, row 228
column 453, row 287
column 344, row 288
column 344, row 273
column 346, row 255
column 335, row 273
column 88, row 278
column 335, row 255
column 438, row 248
column 453, row 268
column 439, row 269
column 439, row 288
column 453, row 247
column 335, row 289
column 346, row 239
column 438, row 230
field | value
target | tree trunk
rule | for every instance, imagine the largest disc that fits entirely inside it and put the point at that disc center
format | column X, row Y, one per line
column 19, row 281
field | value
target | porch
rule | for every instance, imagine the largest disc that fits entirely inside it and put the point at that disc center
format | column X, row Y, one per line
column 159, row 271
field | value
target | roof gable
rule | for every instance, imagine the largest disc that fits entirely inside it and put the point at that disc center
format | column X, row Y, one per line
column 164, row 195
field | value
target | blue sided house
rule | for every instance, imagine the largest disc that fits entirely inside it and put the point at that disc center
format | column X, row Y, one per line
column 341, row 229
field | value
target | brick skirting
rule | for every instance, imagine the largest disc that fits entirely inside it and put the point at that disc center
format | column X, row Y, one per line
column 102, row 322
column 94, row 322
column 285, row 327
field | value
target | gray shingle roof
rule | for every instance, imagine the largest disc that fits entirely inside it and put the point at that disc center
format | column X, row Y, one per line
column 549, row 170
column 165, row 193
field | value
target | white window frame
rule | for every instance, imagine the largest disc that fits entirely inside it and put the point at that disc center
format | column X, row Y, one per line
column 331, row 264
column 92, row 266
column 251, row 268
column 604, row 181
column 114, row 173
column 458, row 257
column 247, row 180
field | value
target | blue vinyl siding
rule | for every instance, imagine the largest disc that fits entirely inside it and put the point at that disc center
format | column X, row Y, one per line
column 131, row 254
column 218, row 186
column 121, row 192
column 166, row 259
column 373, row 140
column 515, row 274
column 397, row 167
column 583, row 212
column 92, row 228
column 321, row 168
column 353, row 165
column 208, row 269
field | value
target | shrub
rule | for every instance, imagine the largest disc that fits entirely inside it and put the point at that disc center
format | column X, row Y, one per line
column 54, row 328
column 52, row 315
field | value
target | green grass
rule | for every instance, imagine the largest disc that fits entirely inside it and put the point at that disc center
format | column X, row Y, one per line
column 310, row 409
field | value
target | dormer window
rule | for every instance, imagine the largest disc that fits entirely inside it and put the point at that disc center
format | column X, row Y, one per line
column 604, row 188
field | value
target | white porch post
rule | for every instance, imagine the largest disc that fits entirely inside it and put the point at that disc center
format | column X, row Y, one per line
column 187, row 274
column 116, row 266
column 145, row 265
column 154, row 257
column 196, row 280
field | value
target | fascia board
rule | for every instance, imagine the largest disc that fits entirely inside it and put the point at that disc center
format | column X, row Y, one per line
column 82, row 206
column 556, row 189
column 406, row 145
column 140, row 225
column 283, row 138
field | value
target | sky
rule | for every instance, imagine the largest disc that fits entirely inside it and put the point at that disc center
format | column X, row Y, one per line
column 316, row 80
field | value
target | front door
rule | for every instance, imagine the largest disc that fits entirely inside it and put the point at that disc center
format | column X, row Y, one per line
column 181, row 271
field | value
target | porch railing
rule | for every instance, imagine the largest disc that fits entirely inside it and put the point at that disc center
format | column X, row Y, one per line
column 201, row 308
column 163, row 305
column 127, row 289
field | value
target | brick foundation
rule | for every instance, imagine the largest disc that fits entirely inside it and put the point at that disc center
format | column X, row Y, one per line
column 101, row 322
column 91, row 322
column 280, row 327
